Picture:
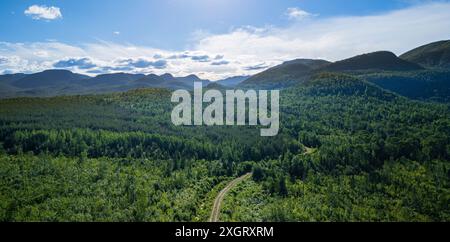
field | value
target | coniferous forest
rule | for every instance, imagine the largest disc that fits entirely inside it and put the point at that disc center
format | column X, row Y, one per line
column 347, row 150
column 224, row 119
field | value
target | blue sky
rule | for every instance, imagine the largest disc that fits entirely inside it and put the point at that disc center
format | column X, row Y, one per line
column 211, row 38
column 167, row 24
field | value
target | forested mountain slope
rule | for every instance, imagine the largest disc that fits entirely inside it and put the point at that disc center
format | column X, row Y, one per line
column 287, row 74
column 433, row 55
column 376, row 156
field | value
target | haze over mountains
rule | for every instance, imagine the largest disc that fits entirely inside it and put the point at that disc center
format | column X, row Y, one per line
column 64, row 82
column 422, row 73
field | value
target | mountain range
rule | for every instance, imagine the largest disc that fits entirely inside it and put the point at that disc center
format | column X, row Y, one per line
column 64, row 82
column 422, row 73
column 300, row 70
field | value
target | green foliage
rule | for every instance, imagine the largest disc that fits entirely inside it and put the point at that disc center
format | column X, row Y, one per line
column 45, row 188
column 429, row 85
column 347, row 151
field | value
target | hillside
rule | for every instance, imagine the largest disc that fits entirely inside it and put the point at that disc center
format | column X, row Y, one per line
column 10, row 78
column 6, row 87
column 111, row 79
column 341, row 84
column 169, row 81
column 301, row 70
column 376, row 61
column 48, row 78
column 118, row 157
column 216, row 86
column 288, row 73
column 232, row 81
column 426, row 85
column 433, row 55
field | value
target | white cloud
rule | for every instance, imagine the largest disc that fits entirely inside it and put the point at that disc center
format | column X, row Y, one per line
column 335, row 38
column 298, row 14
column 247, row 50
column 116, row 32
column 43, row 12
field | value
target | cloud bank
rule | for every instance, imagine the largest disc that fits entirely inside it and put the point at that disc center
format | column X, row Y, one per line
column 244, row 50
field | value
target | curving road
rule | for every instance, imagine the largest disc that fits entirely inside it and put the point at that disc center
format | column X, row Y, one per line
column 219, row 199
column 215, row 213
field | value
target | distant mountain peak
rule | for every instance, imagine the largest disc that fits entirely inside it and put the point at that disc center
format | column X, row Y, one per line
column 169, row 81
column 433, row 55
column 288, row 73
column 113, row 79
column 55, row 70
column 379, row 60
column 193, row 77
column 115, row 74
column 53, row 77
column 307, row 62
column 167, row 76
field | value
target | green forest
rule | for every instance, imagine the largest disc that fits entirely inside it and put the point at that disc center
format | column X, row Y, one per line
column 347, row 150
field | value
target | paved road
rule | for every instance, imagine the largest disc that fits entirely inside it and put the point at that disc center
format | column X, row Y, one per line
column 215, row 213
